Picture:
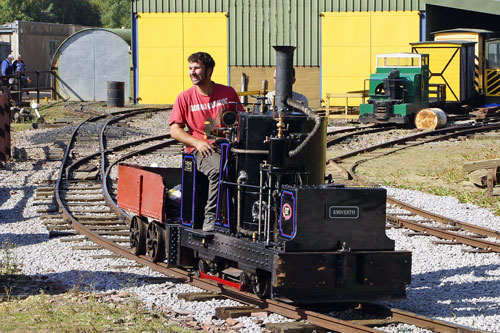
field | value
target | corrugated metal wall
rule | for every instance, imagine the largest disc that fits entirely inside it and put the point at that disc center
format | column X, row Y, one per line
column 255, row 25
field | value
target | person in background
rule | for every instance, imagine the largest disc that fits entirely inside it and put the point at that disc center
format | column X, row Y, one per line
column 7, row 69
column 295, row 95
column 194, row 108
column 20, row 67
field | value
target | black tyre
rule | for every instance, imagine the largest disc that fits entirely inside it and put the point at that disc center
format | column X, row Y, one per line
column 138, row 231
column 155, row 242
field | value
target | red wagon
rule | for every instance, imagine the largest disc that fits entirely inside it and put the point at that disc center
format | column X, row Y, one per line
column 143, row 191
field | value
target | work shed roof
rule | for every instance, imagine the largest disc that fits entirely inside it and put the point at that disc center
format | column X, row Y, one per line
column 482, row 6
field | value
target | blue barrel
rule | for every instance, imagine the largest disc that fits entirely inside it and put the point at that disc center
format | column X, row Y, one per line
column 116, row 93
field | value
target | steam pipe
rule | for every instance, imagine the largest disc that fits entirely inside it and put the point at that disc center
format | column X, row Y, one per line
column 317, row 124
column 284, row 76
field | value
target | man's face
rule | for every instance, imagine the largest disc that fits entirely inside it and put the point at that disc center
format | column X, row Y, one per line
column 198, row 73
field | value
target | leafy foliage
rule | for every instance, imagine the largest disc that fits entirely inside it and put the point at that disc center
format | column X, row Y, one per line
column 115, row 13
column 107, row 13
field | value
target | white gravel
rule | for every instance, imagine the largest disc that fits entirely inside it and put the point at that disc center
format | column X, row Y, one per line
column 447, row 283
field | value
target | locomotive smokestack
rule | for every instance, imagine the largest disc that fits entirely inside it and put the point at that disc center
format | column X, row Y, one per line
column 284, row 75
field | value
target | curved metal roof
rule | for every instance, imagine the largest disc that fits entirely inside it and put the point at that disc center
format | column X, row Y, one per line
column 90, row 58
column 125, row 34
column 479, row 31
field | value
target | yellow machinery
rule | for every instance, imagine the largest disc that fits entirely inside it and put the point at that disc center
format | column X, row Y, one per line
column 486, row 57
column 478, row 36
column 451, row 63
column 492, row 71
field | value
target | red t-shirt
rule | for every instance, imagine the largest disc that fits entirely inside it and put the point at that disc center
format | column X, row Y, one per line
column 192, row 109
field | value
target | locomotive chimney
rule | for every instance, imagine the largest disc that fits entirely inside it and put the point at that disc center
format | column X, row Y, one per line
column 284, row 76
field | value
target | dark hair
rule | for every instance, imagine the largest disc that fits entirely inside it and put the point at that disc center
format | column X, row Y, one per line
column 204, row 58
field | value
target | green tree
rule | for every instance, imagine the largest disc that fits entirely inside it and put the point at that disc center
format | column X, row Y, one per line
column 115, row 13
column 11, row 10
column 56, row 11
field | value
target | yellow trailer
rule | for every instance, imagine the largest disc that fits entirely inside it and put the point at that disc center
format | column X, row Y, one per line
column 478, row 36
column 451, row 63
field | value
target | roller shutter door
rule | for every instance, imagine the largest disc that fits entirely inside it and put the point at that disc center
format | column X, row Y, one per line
column 350, row 42
column 165, row 40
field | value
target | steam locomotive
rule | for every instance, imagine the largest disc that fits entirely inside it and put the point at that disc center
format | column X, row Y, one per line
column 283, row 231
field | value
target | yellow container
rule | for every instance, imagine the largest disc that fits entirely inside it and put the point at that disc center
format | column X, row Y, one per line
column 451, row 63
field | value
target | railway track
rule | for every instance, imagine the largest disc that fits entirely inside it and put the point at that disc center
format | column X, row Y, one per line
column 413, row 218
column 95, row 193
column 338, row 135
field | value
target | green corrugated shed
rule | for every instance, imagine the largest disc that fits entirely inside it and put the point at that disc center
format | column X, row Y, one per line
column 255, row 25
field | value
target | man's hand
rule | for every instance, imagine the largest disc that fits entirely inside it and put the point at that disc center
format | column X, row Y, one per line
column 204, row 148
column 178, row 133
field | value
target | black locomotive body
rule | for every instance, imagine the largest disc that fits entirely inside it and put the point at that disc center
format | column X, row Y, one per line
column 281, row 231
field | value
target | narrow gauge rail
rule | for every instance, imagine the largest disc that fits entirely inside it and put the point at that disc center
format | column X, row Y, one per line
column 248, row 298
column 339, row 135
column 393, row 146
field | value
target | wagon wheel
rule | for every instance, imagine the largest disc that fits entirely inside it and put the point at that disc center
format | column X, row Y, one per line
column 155, row 242
column 138, row 229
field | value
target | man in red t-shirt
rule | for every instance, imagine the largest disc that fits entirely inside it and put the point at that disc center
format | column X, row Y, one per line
column 193, row 107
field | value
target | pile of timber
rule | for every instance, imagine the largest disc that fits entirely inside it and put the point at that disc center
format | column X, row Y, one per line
column 486, row 112
column 485, row 174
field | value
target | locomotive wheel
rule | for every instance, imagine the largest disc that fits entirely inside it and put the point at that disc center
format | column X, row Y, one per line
column 203, row 266
column 261, row 285
column 138, row 229
column 155, row 242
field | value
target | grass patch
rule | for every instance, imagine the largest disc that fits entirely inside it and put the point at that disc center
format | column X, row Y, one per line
column 8, row 260
column 437, row 169
column 80, row 312
column 50, row 112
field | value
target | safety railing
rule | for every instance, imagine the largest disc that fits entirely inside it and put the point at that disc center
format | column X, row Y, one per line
column 17, row 84
column 345, row 111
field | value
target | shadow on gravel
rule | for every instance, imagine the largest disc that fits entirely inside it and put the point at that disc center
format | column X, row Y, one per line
column 14, row 213
column 23, row 239
column 457, row 291
column 22, row 286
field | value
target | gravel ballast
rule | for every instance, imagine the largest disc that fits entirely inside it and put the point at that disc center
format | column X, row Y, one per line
column 447, row 282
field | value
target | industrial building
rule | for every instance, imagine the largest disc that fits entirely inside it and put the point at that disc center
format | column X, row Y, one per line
column 36, row 42
column 336, row 40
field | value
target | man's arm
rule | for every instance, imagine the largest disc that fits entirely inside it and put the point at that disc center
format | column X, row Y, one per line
column 178, row 133
column 4, row 68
